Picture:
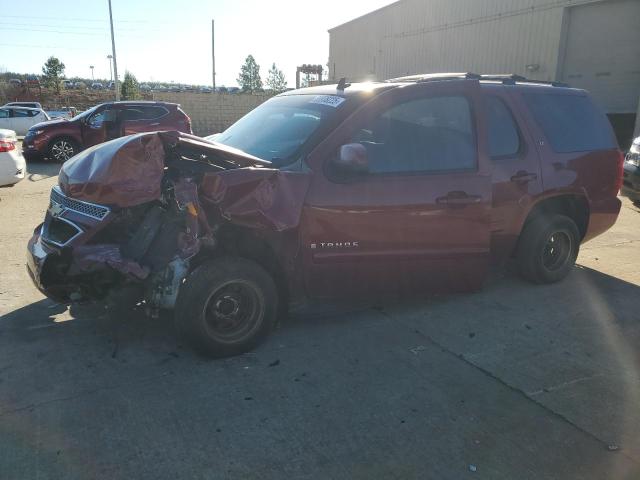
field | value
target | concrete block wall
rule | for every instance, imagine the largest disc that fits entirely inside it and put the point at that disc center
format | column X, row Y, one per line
column 212, row 112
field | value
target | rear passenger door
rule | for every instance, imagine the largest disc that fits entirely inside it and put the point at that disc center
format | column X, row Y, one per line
column 419, row 219
column 516, row 170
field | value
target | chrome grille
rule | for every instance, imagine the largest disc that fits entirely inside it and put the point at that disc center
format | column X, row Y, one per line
column 89, row 209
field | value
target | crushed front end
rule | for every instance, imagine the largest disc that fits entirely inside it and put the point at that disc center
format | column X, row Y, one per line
column 126, row 218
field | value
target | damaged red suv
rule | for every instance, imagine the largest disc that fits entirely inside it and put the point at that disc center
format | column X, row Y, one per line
column 412, row 185
column 59, row 140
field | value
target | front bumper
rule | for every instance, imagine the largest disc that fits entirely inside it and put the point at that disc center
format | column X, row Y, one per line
column 44, row 261
column 34, row 147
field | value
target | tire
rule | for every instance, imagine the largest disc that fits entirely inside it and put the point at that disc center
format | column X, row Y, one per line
column 62, row 149
column 226, row 307
column 548, row 248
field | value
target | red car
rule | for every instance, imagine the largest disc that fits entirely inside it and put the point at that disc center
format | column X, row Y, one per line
column 413, row 185
column 59, row 140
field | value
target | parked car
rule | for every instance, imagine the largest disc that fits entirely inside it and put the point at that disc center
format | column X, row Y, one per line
column 23, row 104
column 33, row 81
column 67, row 84
column 16, row 82
column 59, row 140
column 21, row 119
column 631, row 174
column 205, row 90
column 111, row 85
column 12, row 165
column 97, row 86
column 79, row 85
column 63, row 112
column 413, row 185
column 145, row 87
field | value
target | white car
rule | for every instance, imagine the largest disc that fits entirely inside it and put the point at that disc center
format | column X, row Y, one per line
column 23, row 104
column 12, row 164
column 20, row 119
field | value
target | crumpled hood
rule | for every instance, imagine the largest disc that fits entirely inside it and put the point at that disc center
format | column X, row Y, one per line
column 124, row 172
column 128, row 171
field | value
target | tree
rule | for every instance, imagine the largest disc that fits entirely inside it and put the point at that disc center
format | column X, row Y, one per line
column 130, row 90
column 276, row 80
column 249, row 78
column 52, row 71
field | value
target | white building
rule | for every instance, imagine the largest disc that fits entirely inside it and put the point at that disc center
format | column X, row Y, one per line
column 591, row 44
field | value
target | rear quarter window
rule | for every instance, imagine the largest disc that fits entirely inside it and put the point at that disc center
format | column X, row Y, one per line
column 571, row 123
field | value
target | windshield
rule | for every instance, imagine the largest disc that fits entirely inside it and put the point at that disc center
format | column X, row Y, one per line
column 278, row 129
column 86, row 113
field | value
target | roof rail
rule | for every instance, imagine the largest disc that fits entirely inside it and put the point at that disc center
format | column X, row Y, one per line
column 512, row 79
column 428, row 77
column 506, row 79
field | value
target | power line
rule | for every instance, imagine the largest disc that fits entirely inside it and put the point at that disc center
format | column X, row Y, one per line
column 93, row 29
column 68, row 33
column 20, row 45
column 71, row 19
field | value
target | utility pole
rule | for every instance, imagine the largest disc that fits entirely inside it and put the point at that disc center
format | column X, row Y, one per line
column 113, row 48
column 92, row 77
column 213, row 52
column 109, row 57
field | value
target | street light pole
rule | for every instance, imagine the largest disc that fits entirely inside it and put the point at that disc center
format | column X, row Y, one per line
column 92, row 77
column 113, row 48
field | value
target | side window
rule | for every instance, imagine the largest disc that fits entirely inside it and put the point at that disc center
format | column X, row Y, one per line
column 20, row 113
column 571, row 123
column 504, row 136
column 97, row 119
column 4, row 113
column 431, row 135
column 141, row 112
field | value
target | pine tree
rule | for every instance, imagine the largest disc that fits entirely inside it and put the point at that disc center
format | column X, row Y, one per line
column 276, row 80
column 52, row 71
column 130, row 89
column 249, row 78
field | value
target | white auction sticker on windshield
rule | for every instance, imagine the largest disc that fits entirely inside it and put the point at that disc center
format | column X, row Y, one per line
column 329, row 100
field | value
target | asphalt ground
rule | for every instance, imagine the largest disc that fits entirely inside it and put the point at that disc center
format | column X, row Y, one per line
column 513, row 382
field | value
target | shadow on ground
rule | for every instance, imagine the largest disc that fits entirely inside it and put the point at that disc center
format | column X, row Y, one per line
column 516, row 381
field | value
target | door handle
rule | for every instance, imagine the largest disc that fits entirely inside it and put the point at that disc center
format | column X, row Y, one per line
column 524, row 177
column 458, row 198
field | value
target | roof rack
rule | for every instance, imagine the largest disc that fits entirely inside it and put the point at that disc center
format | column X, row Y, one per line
column 512, row 79
column 506, row 79
column 427, row 77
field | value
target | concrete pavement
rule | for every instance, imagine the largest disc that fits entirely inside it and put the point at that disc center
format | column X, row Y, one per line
column 514, row 382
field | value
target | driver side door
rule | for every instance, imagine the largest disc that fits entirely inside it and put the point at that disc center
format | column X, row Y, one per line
column 94, row 129
column 419, row 219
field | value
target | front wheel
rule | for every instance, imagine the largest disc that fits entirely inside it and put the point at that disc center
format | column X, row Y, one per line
column 62, row 149
column 226, row 307
column 548, row 248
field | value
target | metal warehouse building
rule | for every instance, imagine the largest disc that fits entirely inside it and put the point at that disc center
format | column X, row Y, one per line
column 589, row 44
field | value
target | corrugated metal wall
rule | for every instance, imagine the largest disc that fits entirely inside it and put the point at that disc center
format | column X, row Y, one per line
column 421, row 36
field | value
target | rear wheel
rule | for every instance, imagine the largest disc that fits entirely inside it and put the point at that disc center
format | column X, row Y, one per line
column 227, row 307
column 62, row 149
column 548, row 248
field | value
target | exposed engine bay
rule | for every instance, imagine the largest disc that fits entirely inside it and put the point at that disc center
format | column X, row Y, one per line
column 131, row 216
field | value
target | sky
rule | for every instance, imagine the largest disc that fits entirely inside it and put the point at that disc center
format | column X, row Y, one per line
column 170, row 40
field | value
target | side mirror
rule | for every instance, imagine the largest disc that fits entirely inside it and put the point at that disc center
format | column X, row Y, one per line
column 352, row 159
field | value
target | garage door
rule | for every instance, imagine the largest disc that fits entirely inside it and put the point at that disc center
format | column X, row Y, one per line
column 602, row 52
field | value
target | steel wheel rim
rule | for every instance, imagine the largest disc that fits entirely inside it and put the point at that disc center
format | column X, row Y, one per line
column 557, row 250
column 234, row 311
column 62, row 150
